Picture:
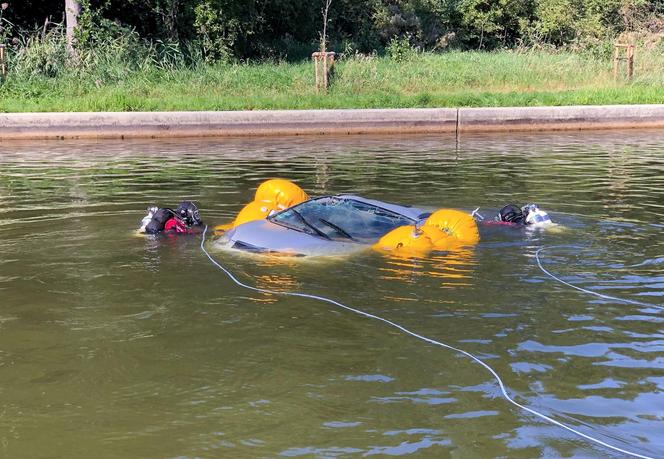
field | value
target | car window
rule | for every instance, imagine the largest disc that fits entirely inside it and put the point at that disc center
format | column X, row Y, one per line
column 340, row 218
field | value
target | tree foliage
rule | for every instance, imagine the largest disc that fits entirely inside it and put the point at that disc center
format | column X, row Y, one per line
column 222, row 30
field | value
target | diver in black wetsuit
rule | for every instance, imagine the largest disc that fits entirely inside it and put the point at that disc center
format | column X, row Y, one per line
column 183, row 220
column 530, row 214
column 513, row 215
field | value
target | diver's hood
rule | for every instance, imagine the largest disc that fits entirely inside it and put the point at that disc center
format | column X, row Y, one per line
column 188, row 212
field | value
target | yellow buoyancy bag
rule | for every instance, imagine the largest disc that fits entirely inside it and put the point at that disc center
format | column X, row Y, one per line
column 271, row 195
column 445, row 229
column 406, row 238
column 280, row 192
column 455, row 224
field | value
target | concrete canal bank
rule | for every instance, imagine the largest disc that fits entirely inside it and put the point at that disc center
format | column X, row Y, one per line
column 107, row 125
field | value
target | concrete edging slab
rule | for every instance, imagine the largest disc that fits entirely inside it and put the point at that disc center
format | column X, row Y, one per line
column 228, row 123
column 560, row 118
column 102, row 125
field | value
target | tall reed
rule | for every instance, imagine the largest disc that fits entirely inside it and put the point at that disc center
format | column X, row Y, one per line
column 121, row 71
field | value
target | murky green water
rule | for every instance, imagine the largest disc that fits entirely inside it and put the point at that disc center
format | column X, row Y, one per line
column 113, row 345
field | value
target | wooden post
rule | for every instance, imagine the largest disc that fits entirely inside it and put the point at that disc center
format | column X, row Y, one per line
column 325, row 70
column 323, row 64
column 623, row 52
column 316, row 70
column 3, row 64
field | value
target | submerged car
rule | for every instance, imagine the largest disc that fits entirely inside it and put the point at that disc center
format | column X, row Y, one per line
column 326, row 225
column 282, row 219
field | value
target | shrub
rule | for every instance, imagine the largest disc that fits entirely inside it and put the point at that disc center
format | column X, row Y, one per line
column 400, row 49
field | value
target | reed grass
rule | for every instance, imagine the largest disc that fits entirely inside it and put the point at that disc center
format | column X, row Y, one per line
column 154, row 80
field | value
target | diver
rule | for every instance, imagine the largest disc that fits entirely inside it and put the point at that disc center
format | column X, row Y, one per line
column 529, row 215
column 185, row 219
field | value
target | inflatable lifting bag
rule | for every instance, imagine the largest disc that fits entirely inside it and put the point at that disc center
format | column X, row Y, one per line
column 271, row 196
column 282, row 193
column 455, row 224
column 445, row 229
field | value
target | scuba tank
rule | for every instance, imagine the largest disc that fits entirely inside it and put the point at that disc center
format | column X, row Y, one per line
column 158, row 219
column 144, row 223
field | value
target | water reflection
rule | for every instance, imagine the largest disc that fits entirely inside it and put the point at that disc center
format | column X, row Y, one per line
column 452, row 268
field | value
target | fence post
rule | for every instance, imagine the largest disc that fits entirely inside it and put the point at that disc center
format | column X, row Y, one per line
column 623, row 52
column 323, row 64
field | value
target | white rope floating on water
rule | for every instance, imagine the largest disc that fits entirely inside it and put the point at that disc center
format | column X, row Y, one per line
column 503, row 389
column 581, row 289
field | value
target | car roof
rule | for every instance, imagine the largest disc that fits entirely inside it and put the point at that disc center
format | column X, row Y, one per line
column 413, row 213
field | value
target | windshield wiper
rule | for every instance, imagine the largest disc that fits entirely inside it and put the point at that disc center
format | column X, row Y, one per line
column 309, row 225
column 336, row 228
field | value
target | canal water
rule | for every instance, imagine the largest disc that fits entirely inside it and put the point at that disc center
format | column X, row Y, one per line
column 114, row 345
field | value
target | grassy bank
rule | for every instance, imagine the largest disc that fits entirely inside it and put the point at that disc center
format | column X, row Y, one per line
column 454, row 79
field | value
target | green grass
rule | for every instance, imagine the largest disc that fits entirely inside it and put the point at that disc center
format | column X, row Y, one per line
column 455, row 79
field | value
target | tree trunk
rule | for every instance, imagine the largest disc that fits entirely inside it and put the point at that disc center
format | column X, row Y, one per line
column 72, row 10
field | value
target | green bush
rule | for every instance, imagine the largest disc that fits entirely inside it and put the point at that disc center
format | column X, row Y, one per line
column 400, row 49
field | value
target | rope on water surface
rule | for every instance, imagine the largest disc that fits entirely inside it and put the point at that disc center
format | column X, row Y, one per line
column 581, row 289
column 503, row 389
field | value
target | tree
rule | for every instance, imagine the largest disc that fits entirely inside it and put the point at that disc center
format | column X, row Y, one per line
column 72, row 10
column 323, row 38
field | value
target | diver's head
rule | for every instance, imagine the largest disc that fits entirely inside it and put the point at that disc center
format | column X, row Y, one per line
column 188, row 213
column 535, row 216
column 511, row 214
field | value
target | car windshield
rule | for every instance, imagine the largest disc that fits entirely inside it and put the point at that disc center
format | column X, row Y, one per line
column 340, row 218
